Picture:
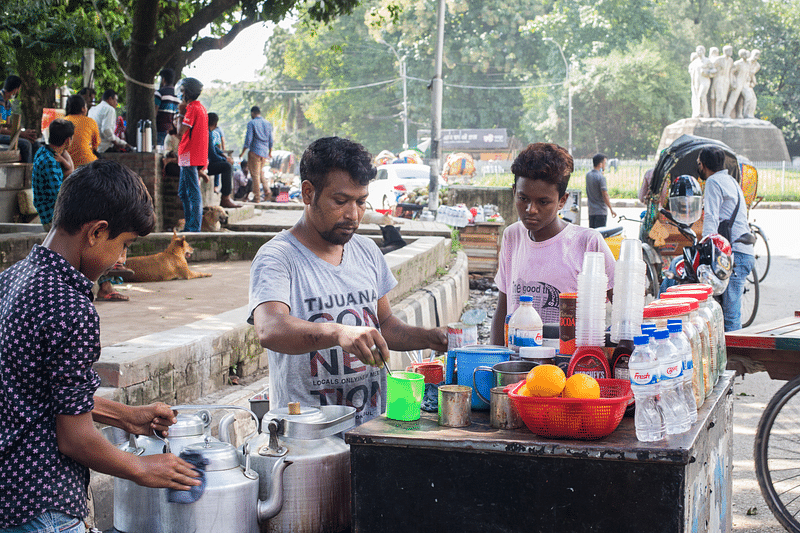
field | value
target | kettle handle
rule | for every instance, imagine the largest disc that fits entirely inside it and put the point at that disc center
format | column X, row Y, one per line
column 207, row 408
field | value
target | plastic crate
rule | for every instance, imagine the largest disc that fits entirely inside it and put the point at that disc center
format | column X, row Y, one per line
column 575, row 418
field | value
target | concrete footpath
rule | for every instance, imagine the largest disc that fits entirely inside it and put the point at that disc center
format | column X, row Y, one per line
column 159, row 306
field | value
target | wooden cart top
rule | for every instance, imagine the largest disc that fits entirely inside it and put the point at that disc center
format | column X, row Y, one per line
column 774, row 347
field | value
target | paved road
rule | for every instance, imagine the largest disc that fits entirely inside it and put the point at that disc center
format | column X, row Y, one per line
column 780, row 297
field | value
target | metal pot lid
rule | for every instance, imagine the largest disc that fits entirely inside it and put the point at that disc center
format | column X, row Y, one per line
column 308, row 415
column 219, row 455
column 189, row 424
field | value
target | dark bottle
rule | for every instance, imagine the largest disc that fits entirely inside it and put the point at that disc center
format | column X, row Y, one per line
column 619, row 366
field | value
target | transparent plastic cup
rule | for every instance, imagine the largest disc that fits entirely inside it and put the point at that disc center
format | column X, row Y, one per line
column 594, row 263
column 629, row 251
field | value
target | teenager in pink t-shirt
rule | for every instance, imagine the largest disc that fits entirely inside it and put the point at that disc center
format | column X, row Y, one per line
column 541, row 254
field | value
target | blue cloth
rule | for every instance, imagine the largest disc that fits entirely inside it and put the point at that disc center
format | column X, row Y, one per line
column 732, row 297
column 430, row 400
column 49, row 340
column 192, row 495
column 49, row 522
column 46, row 181
column 192, row 200
column 259, row 137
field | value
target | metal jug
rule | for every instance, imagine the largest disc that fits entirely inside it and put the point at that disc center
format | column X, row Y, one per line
column 229, row 502
column 316, row 489
column 137, row 509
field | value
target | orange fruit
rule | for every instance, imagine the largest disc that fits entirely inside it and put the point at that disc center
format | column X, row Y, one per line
column 546, row 381
column 582, row 386
column 524, row 391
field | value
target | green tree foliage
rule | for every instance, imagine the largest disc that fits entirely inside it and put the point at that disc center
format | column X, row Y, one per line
column 144, row 35
column 621, row 103
column 776, row 32
column 40, row 39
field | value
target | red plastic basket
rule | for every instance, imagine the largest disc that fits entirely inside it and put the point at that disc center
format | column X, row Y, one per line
column 575, row 418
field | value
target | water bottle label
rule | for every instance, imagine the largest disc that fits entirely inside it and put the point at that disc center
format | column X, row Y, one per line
column 688, row 365
column 643, row 377
column 527, row 338
column 673, row 371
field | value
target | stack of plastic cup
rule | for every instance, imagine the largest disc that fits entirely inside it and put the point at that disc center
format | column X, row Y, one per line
column 590, row 309
column 629, row 288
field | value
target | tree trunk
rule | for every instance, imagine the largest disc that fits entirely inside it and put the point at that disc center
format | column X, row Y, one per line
column 138, row 64
column 33, row 98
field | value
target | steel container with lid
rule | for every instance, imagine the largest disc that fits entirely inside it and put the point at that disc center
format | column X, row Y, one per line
column 316, row 488
column 138, row 509
column 229, row 500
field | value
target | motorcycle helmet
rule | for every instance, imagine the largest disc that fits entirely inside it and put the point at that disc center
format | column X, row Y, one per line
column 715, row 251
column 686, row 199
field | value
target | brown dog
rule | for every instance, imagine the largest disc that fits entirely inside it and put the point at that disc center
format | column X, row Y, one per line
column 164, row 266
column 213, row 218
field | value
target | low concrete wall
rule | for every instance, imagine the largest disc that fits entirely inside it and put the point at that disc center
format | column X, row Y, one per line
column 14, row 177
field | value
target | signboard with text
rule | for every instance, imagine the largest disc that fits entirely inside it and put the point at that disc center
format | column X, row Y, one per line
column 469, row 139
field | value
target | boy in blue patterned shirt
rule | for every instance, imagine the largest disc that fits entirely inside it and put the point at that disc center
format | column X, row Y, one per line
column 51, row 165
column 49, row 339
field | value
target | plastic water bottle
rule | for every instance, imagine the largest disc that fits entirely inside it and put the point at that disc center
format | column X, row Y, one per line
column 649, row 330
column 681, row 342
column 525, row 325
column 644, row 372
column 670, row 364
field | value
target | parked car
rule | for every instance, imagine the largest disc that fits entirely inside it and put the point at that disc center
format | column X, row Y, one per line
column 393, row 181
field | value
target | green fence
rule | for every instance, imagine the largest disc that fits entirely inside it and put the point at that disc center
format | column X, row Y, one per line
column 777, row 181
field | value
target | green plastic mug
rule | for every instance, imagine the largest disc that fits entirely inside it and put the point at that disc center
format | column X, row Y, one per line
column 404, row 392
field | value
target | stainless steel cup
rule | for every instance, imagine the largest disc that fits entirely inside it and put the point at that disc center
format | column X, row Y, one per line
column 502, row 413
column 454, row 405
column 503, row 373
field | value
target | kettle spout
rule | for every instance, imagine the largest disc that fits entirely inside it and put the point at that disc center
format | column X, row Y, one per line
column 272, row 506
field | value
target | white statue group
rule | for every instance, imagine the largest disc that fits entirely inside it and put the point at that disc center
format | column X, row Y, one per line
column 722, row 87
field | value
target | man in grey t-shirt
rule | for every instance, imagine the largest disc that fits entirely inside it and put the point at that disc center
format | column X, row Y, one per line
column 318, row 293
column 597, row 193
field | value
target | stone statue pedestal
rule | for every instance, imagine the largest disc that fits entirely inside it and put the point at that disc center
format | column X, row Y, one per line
column 755, row 139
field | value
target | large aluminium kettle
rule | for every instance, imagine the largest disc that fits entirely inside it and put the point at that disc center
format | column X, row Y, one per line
column 137, row 509
column 229, row 502
column 316, row 489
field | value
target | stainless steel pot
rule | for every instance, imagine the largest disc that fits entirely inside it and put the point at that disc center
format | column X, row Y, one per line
column 316, row 489
column 138, row 509
column 229, row 503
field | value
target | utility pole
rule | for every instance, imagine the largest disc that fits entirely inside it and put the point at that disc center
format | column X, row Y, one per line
column 569, row 92
column 402, row 63
column 436, row 112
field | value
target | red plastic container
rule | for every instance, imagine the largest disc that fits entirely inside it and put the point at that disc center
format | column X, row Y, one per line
column 575, row 418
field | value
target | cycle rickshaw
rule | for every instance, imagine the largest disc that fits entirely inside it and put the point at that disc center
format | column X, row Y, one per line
column 661, row 240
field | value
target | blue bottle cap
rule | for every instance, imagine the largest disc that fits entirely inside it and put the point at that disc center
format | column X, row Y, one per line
column 648, row 328
column 675, row 328
column 661, row 334
column 640, row 340
column 674, row 321
column 526, row 298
